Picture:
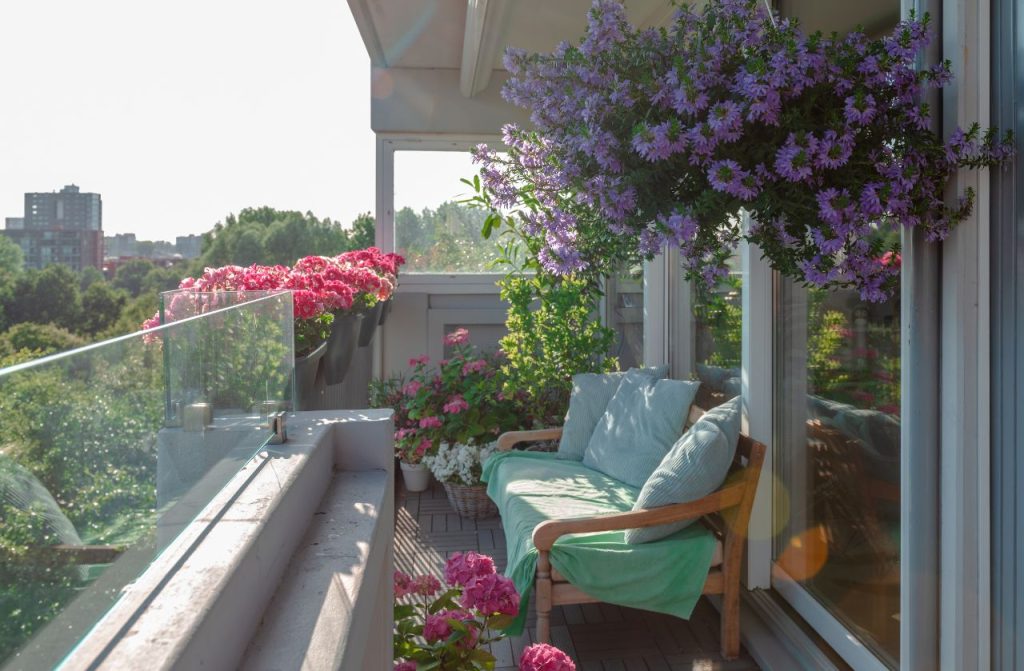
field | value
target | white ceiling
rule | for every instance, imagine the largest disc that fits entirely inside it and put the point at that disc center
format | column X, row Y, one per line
column 432, row 33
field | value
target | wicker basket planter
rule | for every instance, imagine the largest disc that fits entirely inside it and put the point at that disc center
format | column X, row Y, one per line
column 470, row 500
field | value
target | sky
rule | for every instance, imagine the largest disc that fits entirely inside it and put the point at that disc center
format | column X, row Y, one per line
column 179, row 113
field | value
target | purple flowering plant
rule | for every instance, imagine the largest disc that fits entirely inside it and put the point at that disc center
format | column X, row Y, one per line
column 648, row 138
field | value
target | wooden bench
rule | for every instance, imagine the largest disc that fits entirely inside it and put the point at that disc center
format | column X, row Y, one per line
column 726, row 512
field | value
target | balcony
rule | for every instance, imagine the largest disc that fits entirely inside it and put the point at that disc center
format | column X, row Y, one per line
column 164, row 520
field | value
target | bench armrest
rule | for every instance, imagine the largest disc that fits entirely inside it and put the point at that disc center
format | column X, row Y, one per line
column 546, row 533
column 510, row 439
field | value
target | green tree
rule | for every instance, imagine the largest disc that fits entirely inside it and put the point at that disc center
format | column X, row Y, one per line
column 101, row 308
column 45, row 296
column 130, row 275
column 160, row 279
column 363, row 233
column 39, row 338
column 90, row 276
column 12, row 260
column 268, row 236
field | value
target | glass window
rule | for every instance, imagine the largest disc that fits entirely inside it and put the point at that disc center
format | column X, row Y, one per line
column 433, row 231
column 624, row 296
column 838, row 457
column 707, row 335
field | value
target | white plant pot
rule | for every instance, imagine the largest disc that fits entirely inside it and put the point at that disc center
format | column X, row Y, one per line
column 416, row 476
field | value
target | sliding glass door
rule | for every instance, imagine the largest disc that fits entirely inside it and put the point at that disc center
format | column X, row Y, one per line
column 837, row 465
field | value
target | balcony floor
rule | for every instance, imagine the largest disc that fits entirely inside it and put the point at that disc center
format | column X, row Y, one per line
column 597, row 636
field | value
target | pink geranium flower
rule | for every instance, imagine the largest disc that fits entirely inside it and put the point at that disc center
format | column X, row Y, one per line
column 433, row 422
column 405, row 666
column 411, row 388
column 455, row 405
column 491, row 594
column 461, row 568
column 544, row 657
column 423, row 359
column 457, row 337
column 474, row 367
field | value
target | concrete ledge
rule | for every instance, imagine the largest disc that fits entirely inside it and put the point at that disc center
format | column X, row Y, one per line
column 320, row 616
column 200, row 602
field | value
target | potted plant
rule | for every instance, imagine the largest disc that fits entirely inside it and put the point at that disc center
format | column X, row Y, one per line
column 449, row 629
column 457, row 466
column 385, row 267
column 460, row 402
column 642, row 139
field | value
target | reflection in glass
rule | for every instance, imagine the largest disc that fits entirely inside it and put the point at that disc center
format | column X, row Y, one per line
column 838, row 455
column 708, row 340
column 624, row 296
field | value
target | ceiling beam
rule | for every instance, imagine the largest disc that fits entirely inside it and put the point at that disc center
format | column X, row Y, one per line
column 364, row 22
column 484, row 37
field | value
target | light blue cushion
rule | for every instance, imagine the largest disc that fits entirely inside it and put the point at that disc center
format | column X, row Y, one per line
column 642, row 421
column 590, row 395
column 727, row 418
column 695, row 466
column 714, row 377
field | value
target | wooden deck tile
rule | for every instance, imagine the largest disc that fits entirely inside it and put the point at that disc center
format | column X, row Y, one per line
column 600, row 637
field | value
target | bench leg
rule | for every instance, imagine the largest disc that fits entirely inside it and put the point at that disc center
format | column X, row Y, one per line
column 731, row 619
column 543, row 596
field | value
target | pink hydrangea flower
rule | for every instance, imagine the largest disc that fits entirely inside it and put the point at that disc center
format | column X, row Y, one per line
column 544, row 657
column 426, row 585
column 433, row 422
column 461, row 568
column 403, row 584
column 457, row 337
column 438, row 628
column 491, row 594
column 455, row 405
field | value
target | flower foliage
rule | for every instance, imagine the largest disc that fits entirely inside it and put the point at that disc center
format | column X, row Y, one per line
column 447, row 629
column 320, row 286
column 461, row 401
column 648, row 138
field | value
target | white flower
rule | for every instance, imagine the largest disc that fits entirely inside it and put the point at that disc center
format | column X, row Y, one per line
column 459, row 464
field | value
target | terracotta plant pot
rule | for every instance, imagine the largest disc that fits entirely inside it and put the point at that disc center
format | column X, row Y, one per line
column 371, row 319
column 341, row 345
column 416, row 477
column 309, row 379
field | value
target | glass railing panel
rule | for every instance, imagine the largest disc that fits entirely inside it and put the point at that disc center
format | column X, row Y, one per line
column 108, row 452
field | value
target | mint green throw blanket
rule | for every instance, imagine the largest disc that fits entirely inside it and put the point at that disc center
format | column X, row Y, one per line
column 666, row 576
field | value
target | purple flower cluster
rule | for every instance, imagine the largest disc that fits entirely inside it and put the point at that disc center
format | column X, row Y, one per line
column 646, row 138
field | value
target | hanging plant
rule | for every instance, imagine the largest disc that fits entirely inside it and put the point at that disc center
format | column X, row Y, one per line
column 647, row 138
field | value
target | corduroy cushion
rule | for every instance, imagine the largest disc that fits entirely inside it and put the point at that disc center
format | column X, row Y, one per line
column 695, row 466
column 590, row 395
column 642, row 421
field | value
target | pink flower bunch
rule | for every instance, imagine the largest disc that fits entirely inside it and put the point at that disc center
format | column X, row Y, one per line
column 462, row 568
column 543, row 657
column 457, row 337
column 459, row 401
column 491, row 594
column 455, row 405
column 453, row 629
column 438, row 627
column 373, row 258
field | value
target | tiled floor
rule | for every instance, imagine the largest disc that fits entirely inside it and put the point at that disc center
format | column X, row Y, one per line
column 598, row 636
